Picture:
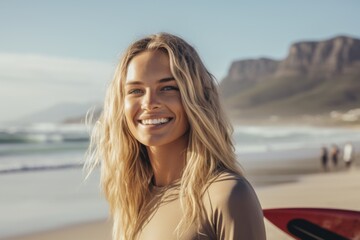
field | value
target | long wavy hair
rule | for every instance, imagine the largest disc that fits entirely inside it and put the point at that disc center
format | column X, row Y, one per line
column 125, row 167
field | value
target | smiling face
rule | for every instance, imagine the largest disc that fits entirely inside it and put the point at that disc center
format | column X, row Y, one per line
column 153, row 107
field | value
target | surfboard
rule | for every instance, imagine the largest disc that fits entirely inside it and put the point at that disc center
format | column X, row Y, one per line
column 316, row 223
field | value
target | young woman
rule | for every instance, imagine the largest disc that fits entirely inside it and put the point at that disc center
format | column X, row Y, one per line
column 168, row 168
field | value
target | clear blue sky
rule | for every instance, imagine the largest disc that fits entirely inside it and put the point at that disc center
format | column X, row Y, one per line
column 61, row 51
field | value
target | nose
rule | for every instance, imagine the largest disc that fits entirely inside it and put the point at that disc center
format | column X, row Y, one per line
column 150, row 101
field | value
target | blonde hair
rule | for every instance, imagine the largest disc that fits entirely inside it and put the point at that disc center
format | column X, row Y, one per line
column 125, row 168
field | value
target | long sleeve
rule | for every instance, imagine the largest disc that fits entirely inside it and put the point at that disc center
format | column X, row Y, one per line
column 235, row 210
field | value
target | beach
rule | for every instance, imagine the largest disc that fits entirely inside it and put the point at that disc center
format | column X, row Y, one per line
column 333, row 189
column 38, row 201
column 99, row 230
column 44, row 194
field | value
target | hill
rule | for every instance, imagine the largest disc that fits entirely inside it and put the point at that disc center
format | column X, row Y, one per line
column 63, row 112
column 314, row 79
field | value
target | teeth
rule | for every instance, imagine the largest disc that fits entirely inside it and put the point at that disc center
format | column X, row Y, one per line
column 155, row 121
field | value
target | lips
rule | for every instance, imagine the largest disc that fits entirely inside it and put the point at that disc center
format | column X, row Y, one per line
column 155, row 121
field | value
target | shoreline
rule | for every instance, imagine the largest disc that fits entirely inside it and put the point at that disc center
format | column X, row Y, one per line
column 98, row 229
column 296, row 121
column 319, row 189
column 34, row 202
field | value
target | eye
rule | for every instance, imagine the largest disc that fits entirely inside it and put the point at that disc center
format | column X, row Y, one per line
column 134, row 91
column 170, row 88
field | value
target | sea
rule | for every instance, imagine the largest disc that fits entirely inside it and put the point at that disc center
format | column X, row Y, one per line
column 43, row 186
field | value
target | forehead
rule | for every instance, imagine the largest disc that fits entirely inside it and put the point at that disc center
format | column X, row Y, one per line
column 148, row 65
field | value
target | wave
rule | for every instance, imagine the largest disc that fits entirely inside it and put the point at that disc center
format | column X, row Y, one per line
column 49, row 133
column 44, row 148
column 250, row 140
column 256, row 139
column 29, row 168
column 16, row 158
column 288, row 131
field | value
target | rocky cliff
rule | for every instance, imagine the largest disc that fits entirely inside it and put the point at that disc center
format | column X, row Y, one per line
column 315, row 77
column 246, row 73
column 326, row 57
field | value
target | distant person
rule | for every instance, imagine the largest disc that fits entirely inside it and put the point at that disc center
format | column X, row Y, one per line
column 335, row 155
column 324, row 158
column 348, row 155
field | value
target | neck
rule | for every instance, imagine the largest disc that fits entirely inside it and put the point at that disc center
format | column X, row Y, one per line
column 167, row 162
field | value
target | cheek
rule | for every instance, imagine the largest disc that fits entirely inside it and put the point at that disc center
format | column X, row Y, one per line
column 177, row 104
column 186, row 122
column 129, row 111
column 185, row 118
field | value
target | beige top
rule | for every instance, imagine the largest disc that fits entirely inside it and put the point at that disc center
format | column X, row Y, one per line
column 232, row 211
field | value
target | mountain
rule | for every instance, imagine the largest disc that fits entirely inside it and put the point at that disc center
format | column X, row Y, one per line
column 63, row 112
column 316, row 77
column 326, row 57
column 247, row 73
column 91, row 116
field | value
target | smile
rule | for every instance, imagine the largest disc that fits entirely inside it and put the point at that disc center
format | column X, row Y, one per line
column 157, row 121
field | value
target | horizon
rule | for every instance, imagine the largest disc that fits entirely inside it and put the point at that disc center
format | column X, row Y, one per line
column 58, row 52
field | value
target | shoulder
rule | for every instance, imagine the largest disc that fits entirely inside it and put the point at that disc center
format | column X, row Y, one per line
column 228, row 188
column 232, row 208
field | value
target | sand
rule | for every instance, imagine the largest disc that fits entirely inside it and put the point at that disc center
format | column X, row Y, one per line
column 327, row 190
column 100, row 230
column 324, row 190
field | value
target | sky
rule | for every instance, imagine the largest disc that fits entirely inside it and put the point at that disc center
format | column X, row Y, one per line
column 54, row 52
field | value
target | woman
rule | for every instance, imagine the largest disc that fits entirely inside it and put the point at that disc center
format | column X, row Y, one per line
column 168, row 168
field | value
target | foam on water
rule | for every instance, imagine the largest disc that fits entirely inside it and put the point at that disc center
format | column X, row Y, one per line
column 256, row 139
column 32, row 156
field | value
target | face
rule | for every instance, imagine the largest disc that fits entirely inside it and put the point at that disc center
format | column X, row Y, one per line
column 153, row 107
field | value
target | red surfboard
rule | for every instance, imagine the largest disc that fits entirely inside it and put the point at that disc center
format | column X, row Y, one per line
column 316, row 223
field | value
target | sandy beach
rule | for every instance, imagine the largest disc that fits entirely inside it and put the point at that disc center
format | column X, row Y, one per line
column 334, row 189
column 328, row 190
column 99, row 230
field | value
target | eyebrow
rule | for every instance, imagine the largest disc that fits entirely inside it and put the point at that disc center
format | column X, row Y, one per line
column 168, row 79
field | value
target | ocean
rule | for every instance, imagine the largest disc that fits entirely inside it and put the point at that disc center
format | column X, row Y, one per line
column 42, row 184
